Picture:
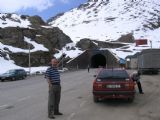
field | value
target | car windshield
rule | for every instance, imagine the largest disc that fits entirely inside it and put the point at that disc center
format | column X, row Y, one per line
column 113, row 74
column 10, row 71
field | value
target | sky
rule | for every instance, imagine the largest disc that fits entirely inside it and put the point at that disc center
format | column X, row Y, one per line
column 44, row 8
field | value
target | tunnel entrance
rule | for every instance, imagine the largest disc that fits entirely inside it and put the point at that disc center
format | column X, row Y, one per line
column 98, row 60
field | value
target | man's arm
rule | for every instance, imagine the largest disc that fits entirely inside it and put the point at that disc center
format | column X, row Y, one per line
column 49, row 83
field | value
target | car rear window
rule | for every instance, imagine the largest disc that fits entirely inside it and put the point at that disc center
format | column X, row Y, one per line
column 11, row 71
column 113, row 74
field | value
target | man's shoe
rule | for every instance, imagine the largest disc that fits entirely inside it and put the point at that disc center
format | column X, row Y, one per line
column 141, row 92
column 51, row 117
column 58, row 113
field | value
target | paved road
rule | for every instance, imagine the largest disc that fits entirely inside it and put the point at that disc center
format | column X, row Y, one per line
column 27, row 100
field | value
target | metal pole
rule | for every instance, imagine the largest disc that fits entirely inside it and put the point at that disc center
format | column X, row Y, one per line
column 62, row 58
column 62, row 63
column 29, row 59
column 151, row 43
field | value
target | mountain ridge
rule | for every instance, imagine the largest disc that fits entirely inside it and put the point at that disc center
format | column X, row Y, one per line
column 110, row 19
column 21, row 35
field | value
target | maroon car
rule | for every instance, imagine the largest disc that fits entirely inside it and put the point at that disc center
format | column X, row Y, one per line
column 113, row 83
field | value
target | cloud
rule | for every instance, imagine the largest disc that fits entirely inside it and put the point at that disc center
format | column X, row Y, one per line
column 17, row 5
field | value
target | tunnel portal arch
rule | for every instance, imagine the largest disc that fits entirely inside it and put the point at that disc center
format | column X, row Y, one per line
column 98, row 60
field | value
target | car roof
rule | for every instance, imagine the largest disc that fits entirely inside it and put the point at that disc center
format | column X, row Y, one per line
column 17, row 69
column 114, row 69
column 113, row 72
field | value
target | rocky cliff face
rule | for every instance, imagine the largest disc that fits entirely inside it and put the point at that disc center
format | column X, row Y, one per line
column 37, row 31
column 38, row 58
column 85, row 44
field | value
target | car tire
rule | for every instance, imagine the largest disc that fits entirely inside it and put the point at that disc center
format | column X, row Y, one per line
column 2, row 80
column 23, row 77
column 130, row 100
column 95, row 99
column 13, row 78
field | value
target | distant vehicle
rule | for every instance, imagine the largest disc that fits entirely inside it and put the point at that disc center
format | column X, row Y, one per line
column 113, row 83
column 149, row 61
column 13, row 74
column 40, row 72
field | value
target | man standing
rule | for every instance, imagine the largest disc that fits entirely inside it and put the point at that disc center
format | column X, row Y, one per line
column 88, row 67
column 53, row 77
column 136, row 77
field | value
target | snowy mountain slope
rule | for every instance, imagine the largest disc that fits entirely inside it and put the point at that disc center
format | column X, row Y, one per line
column 37, row 47
column 13, row 20
column 10, row 64
column 7, row 63
column 19, row 31
column 109, row 19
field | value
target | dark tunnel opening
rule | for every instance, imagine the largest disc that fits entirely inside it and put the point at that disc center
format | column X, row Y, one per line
column 98, row 60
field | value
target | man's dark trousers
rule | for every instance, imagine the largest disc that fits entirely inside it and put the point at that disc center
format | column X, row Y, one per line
column 139, row 87
column 54, row 99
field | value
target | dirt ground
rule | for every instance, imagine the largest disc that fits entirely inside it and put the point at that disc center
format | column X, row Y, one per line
column 149, row 103
column 27, row 100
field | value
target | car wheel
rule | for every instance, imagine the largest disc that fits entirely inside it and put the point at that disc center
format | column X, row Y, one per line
column 96, row 99
column 131, row 99
column 13, row 78
column 2, row 80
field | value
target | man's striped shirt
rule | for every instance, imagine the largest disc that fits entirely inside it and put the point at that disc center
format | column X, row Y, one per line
column 53, row 75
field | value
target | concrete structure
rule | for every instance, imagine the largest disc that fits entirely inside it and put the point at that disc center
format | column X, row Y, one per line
column 94, row 58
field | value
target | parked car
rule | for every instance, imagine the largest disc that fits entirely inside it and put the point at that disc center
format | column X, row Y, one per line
column 13, row 74
column 113, row 83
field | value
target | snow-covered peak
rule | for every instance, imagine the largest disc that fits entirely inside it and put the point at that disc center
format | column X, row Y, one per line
column 13, row 20
column 109, row 19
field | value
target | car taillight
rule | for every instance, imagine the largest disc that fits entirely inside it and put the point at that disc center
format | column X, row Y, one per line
column 97, row 84
column 129, row 85
column 98, row 80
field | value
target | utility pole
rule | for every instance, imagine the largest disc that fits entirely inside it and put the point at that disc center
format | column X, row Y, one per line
column 151, row 43
column 29, row 60
column 62, row 58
